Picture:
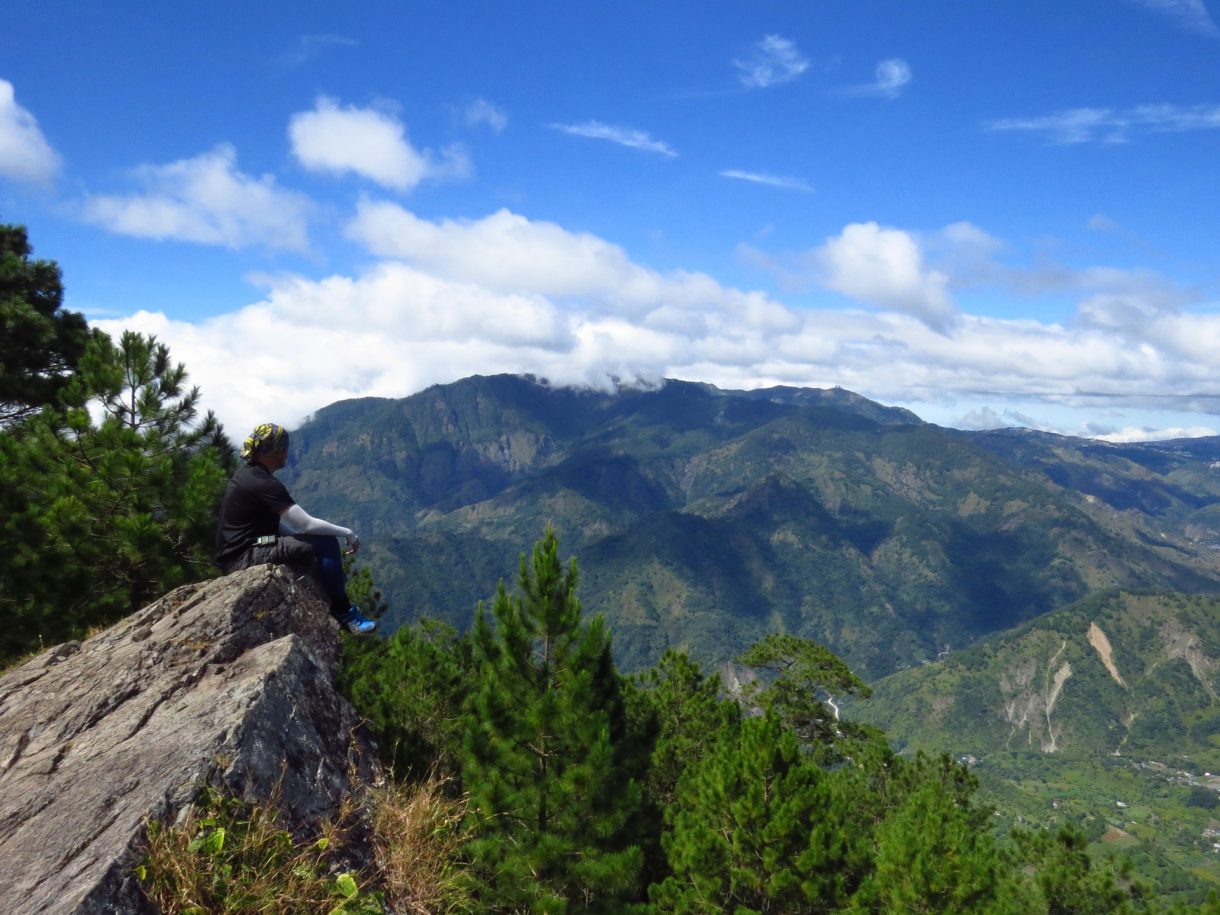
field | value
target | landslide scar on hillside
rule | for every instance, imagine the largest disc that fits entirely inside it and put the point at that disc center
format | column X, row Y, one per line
column 1101, row 644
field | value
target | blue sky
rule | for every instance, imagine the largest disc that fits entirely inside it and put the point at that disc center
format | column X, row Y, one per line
column 989, row 213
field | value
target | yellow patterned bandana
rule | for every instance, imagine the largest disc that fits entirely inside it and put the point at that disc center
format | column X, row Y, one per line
column 265, row 439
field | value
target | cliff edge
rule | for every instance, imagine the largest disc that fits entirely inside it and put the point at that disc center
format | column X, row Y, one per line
column 230, row 680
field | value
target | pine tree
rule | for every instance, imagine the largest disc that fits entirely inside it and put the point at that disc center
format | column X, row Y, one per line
column 552, row 776
column 410, row 688
column 761, row 829
column 688, row 716
column 1069, row 880
column 101, row 517
column 796, row 674
column 679, row 714
column 40, row 343
column 935, row 856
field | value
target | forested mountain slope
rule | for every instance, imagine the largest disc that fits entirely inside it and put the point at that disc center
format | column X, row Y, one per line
column 1103, row 714
column 705, row 518
column 1120, row 672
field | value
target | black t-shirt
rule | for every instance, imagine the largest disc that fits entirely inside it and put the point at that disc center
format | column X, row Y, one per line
column 250, row 508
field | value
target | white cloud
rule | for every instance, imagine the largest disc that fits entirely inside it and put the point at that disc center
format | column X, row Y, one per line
column 400, row 331
column 503, row 251
column 452, row 163
column 773, row 60
column 1109, row 125
column 369, row 143
column 1192, row 15
column 1073, row 125
column 1058, row 418
column 508, row 253
column 206, row 200
column 1151, row 434
column 917, row 273
column 507, row 294
column 965, row 252
column 891, row 77
column 984, row 418
column 481, row 111
column 884, row 267
column 25, row 154
column 624, row 136
column 782, row 182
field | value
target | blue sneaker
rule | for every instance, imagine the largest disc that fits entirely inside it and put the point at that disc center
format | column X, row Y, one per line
column 356, row 622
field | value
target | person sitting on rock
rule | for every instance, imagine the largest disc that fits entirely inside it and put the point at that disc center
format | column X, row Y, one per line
column 261, row 523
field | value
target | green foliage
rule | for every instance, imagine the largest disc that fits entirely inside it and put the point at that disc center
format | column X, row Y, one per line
column 680, row 712
column 1070, row 881
column 1133, row 742
column 411, row 689
column 738, row 814
column 40, row 343
column 688, row 714
column 1163, row 707
column 100, row 517
column 1159, row 836
column 552, row 776
column 933, row 856
column 797, row 671
column 760, row 828
column 361, row 589
column 229, row 856
column 1204, row 798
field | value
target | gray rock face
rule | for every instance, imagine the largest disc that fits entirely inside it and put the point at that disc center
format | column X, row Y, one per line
column 231, row 679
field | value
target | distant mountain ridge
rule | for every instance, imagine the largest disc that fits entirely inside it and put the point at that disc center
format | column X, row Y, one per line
column 705, row 518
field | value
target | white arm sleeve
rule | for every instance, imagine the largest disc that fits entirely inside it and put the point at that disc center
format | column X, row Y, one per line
column 305, row 523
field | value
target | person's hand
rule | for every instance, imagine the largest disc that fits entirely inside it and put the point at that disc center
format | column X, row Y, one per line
column 353, row 543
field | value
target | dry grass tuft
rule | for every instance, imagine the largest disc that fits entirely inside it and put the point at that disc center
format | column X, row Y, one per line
column 227, row 856
column 418, row 836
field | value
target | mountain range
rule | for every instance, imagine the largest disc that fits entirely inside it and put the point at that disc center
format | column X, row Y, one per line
column 705, row 518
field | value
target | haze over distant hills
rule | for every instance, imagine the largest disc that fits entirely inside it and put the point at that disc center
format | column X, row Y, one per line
column 704, row 518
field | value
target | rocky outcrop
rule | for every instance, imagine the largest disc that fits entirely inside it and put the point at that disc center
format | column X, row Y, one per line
column 230, row 680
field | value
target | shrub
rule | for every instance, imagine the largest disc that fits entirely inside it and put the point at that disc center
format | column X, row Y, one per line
column 230, row 856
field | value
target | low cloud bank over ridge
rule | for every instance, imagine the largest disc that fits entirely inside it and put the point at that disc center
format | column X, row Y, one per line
column 451, row 298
